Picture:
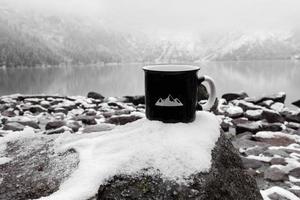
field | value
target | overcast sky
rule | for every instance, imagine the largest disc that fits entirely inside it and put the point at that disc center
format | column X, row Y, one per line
column 179, row 15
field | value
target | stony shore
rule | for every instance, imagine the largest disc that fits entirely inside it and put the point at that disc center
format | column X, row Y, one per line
column 264, row 131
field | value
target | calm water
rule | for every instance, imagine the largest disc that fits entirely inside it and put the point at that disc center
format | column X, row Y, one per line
column 254, row 77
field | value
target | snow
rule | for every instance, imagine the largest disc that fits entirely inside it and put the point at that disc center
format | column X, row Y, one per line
column 280, row 191
column 254, row 113
column 176, row 150
column 4, row 160
column 277, row 107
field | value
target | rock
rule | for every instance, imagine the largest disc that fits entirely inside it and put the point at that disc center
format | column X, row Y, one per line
column 45, row 104
column 136, row 100
column 60, row 110
column 98, row 128
column 293, row 125
column 37, row 109
column 232, row 96
column 55, row 124
column 291, row 116
column 116, row 105
column 266, row 104
column 276, row 152
column 295, row 172
column 247, row 105
column 225, row 126
column 254, row 114
column 95, row 95
column 122, row 119
column 275, row 174
column 296, row 103
column 58, row 130
column 226, row 180
column 8, row 113
column 91, row 112
column 251, row 163
column 278, row 161
column 275, row 141
column 272, row 116
column 278, row 107
column 234, row 111
column 89, row 120
column 243, row 125
column 13, row 126
column 36, row 170
column 31, row 124
column 271, row 126
column 255, row 150
column 74, row 125
column 279, row 97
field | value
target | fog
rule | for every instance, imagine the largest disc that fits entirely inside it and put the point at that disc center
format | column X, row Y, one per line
column 177, row 16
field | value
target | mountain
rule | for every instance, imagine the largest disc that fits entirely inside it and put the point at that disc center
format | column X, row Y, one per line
column 30, row 38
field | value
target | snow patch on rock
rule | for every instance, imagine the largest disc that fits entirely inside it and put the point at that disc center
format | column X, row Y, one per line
column 176, row 150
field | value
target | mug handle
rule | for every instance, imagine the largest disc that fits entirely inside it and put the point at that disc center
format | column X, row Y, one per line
column 212, row 91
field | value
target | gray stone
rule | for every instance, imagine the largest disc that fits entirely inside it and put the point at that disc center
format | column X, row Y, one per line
column 293, row 125
column 74, row 125
column 89, row 120
column 251, row 163
column 244, row 125
column 296, row 103
column 226, row 180
column 273, row 152
column 13, row 126
column 278, row 161
column 57, row 130
column 37, row 109
column 291, row 116
column 95, row 95
column 295, row 172
column 255, row 150
column 55, row 124
column 272, row 116
column 232, row 96
column 254, row 114
column 279, row 97
column 271, row 126
column 8, row 113
column 122, row 119
column 275, row 174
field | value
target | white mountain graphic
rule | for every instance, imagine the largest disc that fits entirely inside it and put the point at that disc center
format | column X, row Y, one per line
column 168, row 102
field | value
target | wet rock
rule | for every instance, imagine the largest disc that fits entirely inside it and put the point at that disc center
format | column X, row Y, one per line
column 254, row 114
column 295, row 172
column 275, row 174
column 232, row 96
column 226, row 180
column 296, row 103
column 279, row 97
column 13, row 126
column 248, row 105
column 95, row 95
column 98, row 128
column 278, row 161
column 272, row 116
column 122, row 119
column 251, row 163
column 243, row 125
column 55, row 124
column 136, row 100
column 275, row 141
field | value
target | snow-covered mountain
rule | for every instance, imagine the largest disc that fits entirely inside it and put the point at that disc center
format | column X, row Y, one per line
column 30, row 38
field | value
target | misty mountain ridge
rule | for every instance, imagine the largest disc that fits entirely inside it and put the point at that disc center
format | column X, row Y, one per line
column 29, row 39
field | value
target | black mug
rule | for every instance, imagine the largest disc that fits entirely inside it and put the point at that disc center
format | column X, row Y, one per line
column 171, row 92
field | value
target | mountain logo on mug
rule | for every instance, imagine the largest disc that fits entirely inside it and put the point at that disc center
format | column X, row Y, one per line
column 168, row 102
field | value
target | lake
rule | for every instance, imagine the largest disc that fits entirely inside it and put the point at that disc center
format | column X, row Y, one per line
column 254, row 77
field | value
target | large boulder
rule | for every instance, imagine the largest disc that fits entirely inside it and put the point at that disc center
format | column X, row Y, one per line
column 226, row 180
